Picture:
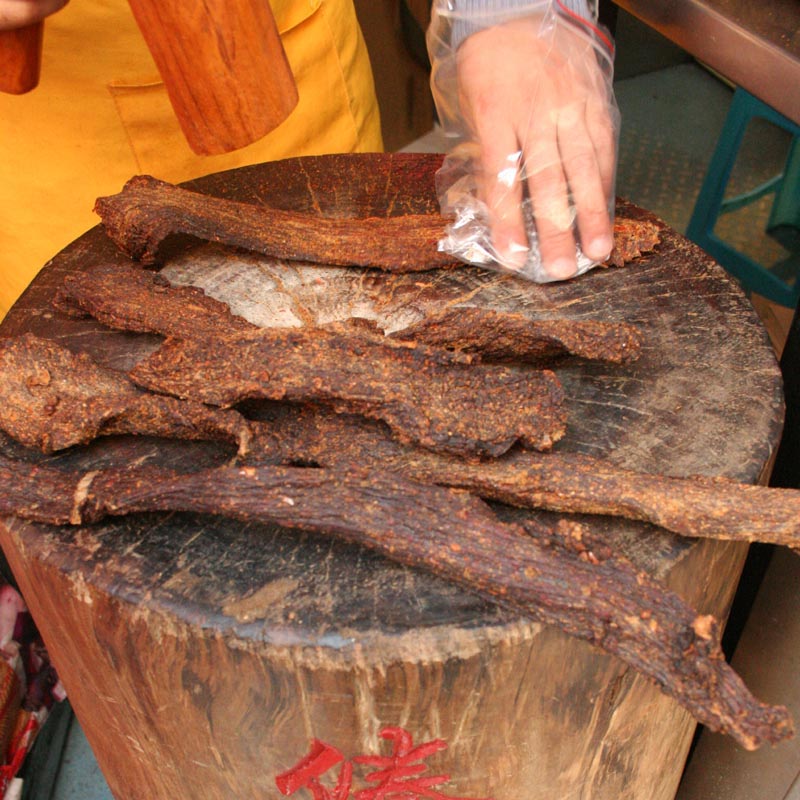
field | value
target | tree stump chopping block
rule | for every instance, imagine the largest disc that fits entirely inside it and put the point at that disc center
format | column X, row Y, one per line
column 210, row 658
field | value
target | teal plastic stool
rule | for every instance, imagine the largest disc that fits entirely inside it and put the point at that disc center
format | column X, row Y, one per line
column 780, row 282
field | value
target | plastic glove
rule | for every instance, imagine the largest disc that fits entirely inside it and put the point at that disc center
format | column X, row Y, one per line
column 20, row 13
column 528, row 100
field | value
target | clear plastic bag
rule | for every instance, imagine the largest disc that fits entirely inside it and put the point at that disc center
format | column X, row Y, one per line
column 529, row 177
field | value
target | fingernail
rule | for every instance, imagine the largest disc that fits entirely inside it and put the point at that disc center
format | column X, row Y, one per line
column 561, row 268
column 600, row 247
column 515, row 255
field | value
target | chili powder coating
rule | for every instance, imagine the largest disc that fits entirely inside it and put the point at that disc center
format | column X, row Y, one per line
column 632, row 239
column 503, row 336
column 425, row 395
column 140, row 217
column 148, row 210
column 52, row 399
column 558, row 481
column 446, row 532
column 131, row 299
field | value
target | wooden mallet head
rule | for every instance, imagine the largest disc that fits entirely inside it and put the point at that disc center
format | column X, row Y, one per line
column 222, row 62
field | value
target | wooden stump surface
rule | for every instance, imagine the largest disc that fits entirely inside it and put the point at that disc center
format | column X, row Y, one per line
column 203, row 655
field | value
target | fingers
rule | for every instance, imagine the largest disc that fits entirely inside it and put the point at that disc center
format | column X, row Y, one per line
column 549, row 193
column 573, row 168
column 486, row 99
column 602, row 123
column 499, row 186
column 564, row 171
column 587, row 175
column 527, row 95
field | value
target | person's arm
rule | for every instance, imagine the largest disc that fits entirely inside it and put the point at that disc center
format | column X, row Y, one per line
column 533, row 95
column 474, row 15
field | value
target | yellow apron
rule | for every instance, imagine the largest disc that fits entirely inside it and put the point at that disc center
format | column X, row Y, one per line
column 100, row 115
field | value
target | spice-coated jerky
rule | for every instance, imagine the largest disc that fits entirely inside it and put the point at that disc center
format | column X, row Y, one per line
column 632, row 239
column 131, row 299
column 450, row 534
column 504, row 336
column 425, row 395
column 51, row 399
column 147, row 211
column 566, row 482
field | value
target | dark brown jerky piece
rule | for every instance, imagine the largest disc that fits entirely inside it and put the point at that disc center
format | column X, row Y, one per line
column 503, row 336
column 425, row 395
column 566, row 482
column 632, row 239
column 51, row 398
column 131, row 299
column 696, row 506
column 453, row 535
column 147, row 211
column 138, row 300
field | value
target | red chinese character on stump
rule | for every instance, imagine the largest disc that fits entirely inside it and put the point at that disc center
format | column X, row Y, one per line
column 307, row 772
column 398, row 777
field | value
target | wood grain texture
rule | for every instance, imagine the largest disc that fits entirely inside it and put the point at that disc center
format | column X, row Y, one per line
column 224, row 68
column 21, row 58
column 202, row 655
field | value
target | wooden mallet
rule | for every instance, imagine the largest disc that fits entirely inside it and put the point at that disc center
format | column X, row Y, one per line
column 222, row 62
column 21, row 58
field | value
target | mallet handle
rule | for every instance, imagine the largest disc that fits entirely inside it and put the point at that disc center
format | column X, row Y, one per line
column 21, row 58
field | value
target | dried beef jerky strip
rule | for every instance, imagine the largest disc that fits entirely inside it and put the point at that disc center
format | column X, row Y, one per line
column 565, row 482
column 51, row 399
column 453, row 535
column 697, row 506
column 425, row 395
column 147, row 211
column 503, row 336
column 632, row 239
column 126, row 298
column 131, row 299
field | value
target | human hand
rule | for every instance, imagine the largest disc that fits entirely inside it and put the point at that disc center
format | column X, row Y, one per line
column 529, row 100
column 541, row 100
column 21, row 13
